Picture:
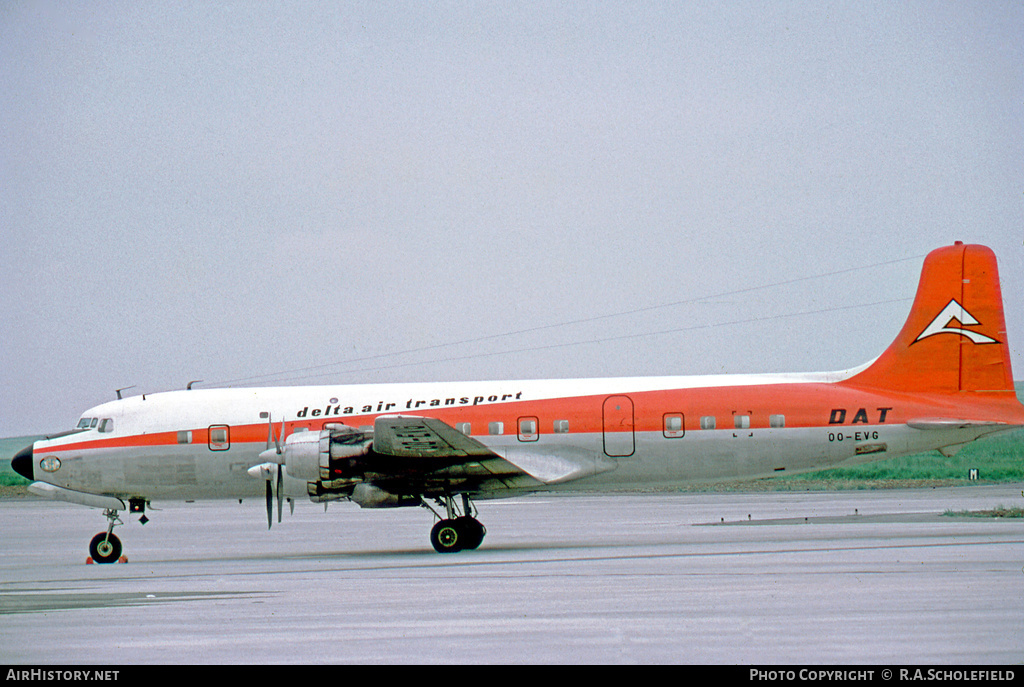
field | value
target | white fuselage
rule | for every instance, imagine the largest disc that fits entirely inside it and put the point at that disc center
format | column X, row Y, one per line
column 637, row 432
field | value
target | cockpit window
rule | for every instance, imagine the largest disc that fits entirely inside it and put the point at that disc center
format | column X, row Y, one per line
column 107, row 424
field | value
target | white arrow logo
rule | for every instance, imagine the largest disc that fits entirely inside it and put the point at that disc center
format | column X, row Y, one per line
column 954, row 311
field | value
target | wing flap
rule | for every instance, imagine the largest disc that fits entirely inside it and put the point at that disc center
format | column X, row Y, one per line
column 558, row 464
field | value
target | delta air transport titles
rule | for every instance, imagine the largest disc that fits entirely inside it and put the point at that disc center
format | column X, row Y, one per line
column 943, row 382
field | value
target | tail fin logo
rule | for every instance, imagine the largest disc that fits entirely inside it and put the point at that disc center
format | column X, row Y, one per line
column 955, row 312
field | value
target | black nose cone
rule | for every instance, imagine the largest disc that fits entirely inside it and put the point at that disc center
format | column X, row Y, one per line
column 22, row 463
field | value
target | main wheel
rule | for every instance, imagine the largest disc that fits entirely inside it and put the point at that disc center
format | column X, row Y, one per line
column 446, row 536
column 105, row 548
column 472, row 531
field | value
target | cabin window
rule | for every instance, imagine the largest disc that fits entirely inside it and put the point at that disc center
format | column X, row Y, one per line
column 741, row 421
column 464, row 427
column 496, row 428
column 707, row 422
column 220, row 439
column 776, row 421
column 672, row 426
column 528, row 429
column 561, row 426
column 184, row 437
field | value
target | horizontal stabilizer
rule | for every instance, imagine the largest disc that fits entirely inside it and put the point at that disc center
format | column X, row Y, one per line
column 950, row 423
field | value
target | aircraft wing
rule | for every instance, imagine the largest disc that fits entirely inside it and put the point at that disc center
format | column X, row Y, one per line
column 423, row 437
column 454, row 454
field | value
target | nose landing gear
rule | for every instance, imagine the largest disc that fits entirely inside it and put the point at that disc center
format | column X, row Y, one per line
column 105, row 547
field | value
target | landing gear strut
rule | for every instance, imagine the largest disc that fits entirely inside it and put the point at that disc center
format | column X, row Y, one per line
column 105, row 547
column 456, row 532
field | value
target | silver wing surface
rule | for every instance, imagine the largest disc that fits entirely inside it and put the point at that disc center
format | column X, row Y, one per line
column 427, row 450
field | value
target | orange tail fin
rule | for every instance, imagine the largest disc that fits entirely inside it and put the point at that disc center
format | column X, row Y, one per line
column 954, row 339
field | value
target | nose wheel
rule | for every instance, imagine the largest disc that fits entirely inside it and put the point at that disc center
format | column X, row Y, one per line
column 105, row 547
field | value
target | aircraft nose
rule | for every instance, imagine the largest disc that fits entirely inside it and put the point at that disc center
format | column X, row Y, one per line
column 22, row 463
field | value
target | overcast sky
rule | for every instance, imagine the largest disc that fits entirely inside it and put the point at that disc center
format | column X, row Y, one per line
column 247, row 192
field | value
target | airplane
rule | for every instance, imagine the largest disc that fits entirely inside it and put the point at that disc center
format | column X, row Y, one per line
column 944, row 381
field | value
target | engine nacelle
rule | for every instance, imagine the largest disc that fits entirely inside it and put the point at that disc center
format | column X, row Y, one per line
column 326, row 455
column 302, row 455
column 370, row 496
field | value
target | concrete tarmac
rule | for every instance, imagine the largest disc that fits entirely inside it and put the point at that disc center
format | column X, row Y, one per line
column 864, row 577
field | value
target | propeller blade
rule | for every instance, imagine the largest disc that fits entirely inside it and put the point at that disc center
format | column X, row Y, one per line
column 272, row 436
column 280, row 492
column 270, row 505
column 265, row 471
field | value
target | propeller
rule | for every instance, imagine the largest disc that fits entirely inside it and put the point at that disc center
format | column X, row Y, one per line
column 267, row 470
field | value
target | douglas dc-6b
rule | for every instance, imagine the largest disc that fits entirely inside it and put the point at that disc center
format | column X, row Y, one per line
column 945, row 381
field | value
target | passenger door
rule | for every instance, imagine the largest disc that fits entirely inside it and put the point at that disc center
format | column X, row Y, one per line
column 618, row 426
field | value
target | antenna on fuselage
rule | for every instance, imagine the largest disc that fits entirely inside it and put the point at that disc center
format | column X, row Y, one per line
column 194, row 381
column 118, row 391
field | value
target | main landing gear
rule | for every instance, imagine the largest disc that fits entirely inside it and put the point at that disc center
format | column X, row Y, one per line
column 105, row 547
column 456, row 532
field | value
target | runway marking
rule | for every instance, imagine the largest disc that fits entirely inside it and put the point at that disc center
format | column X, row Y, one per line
column 484, row 558
column 40, row 602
